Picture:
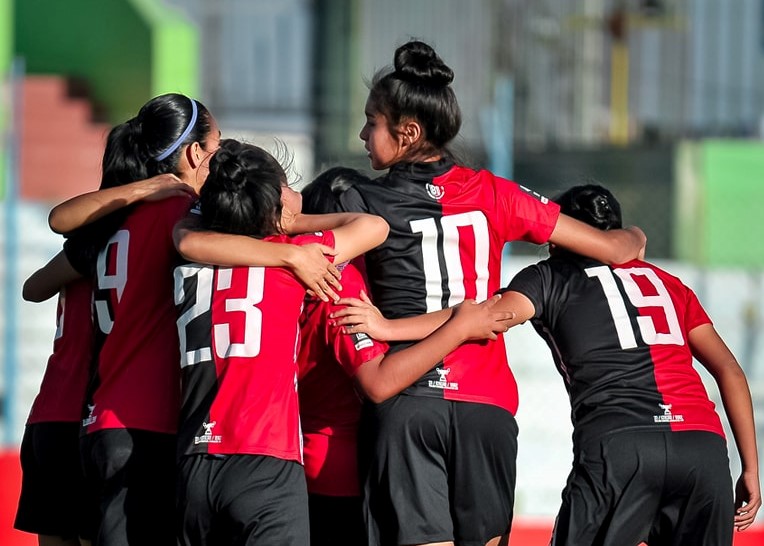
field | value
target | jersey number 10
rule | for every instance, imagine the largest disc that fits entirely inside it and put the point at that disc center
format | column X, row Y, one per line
column 452, row 256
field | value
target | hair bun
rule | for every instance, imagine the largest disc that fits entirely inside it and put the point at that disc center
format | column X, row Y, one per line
column 226, row 169
column 417, row 62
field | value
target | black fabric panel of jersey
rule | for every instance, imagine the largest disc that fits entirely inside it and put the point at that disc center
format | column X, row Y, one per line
column 610, row 388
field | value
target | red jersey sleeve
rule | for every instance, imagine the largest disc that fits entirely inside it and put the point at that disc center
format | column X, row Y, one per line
column 353, row 350
column 526, row 215
column 695, row 315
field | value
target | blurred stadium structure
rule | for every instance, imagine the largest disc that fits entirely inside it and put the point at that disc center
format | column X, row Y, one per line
column 661, row 100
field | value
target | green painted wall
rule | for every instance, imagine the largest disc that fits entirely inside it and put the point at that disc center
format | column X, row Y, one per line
column 126, row 51
column 719, row 203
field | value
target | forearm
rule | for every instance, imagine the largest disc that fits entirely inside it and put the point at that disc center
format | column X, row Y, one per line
column 47, row 281
column 89, row 207
column 614, row 247
column 209, row 247
column 736, row 398
column 306, row 223
column 354, row 233
column 414, row 328
column 401, row 369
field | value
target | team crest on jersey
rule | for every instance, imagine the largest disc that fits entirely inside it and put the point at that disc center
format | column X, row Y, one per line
column 436, row 192
column 442, row 382
column 534, row 194
column 667, row 416
column 90, row 419
column 208, row 437
column 362, row 341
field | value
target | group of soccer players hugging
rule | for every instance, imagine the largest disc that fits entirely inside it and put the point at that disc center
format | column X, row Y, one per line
column 220, row 375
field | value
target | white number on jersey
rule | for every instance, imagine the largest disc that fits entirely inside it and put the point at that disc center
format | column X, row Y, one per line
column 247, row 309
column 638, row 299
column 116, row 281
column 452, row 256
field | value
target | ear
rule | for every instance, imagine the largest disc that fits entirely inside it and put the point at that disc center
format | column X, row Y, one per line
column 195, row 155
column 410, row 132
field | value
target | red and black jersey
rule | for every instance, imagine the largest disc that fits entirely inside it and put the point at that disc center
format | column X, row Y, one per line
column 618, row 336
column 448, row 227
column 330, row 407
column 62, row 391
column 239, row 337
column 136, row 382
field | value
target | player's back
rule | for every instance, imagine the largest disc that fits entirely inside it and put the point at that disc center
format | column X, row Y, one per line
column 619, row 337
column 136, row 383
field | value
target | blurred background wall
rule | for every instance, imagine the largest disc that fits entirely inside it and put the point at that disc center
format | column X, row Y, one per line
column 661, row 100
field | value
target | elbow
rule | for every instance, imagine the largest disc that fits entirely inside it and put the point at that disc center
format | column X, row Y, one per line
column 56, row 222
column 380, row 229
column 30, row 294
column 185, row 249
column 378, row 393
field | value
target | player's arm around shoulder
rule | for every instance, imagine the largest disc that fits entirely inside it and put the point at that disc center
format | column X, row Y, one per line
column 711, row 351
column 387, row 376
column 89, row 207
column 354, row 232
column 615, row 246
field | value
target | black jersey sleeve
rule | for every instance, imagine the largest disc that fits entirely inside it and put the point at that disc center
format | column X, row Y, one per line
column 352, row 201
column 530, row 283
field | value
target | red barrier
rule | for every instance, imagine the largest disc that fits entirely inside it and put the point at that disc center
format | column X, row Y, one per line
column 10, row 478
column 525, row 531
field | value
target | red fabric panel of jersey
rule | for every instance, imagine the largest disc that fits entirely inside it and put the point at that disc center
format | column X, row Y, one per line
column 138, row 373
column 255, row 410
column 686, row 403
column 329, row 405
column 62, row 391
column 493, row 211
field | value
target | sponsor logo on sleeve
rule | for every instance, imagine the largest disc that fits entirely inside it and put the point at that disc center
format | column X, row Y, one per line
column 534, row 194
column 362, row 341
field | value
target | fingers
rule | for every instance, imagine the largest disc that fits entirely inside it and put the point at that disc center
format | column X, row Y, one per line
column 327, row 250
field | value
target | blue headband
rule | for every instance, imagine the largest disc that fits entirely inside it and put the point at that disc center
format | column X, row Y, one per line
column 174, row 146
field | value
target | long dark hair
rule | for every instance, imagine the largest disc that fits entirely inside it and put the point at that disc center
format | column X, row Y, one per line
column 136, row 148
column 242, row 194
column 131, row 153
column 419, row 88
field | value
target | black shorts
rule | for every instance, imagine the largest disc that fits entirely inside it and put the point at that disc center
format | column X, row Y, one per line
column 662, row 488
column 336, row 521
column 241, row 499
column 133, row 472
column 54, row 499
column 435, row 470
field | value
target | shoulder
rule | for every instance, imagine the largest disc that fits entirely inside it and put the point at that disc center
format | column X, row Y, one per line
column 352, row 282
column 172, row 207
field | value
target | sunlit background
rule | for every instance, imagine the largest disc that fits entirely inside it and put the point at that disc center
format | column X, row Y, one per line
column 660, row 100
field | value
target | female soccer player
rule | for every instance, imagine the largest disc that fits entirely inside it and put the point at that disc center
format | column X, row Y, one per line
column 335, row 366
column 55, row 502
column 132, row 404
column 441, row 459
column 240, row 479
column 650, row 458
